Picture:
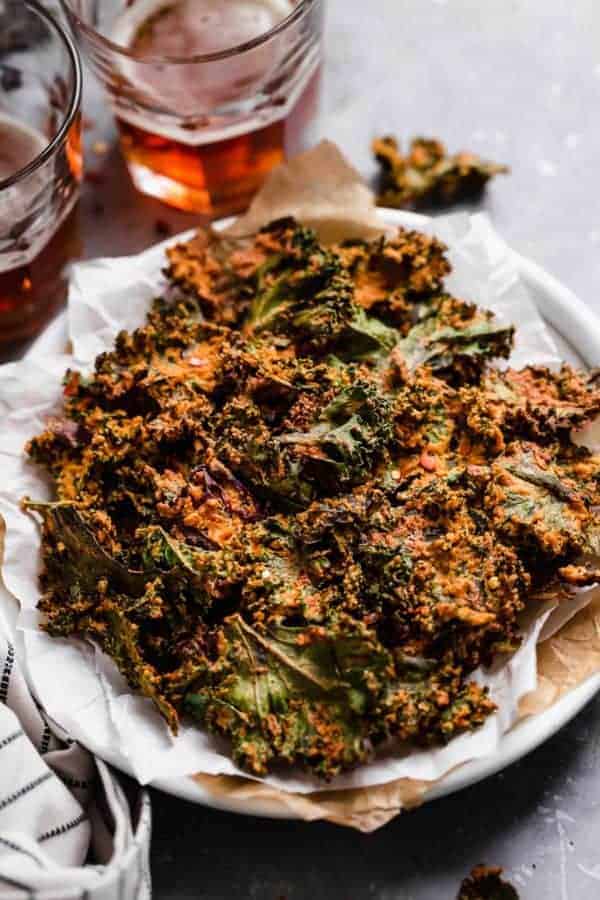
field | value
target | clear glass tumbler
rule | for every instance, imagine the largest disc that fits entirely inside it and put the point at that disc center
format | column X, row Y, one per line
column 40, row 167
column 208, row 94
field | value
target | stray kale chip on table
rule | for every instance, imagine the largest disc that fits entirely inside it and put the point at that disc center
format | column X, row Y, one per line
column 300, row 506
column 427, row 176
column 485, row 883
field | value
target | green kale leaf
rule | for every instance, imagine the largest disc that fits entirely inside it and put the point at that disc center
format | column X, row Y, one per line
column 300, row 695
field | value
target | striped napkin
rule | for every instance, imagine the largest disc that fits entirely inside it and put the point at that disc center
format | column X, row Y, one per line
column 69, row 826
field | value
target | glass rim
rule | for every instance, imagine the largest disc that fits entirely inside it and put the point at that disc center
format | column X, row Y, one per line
column 94, row 35
column 74, row 102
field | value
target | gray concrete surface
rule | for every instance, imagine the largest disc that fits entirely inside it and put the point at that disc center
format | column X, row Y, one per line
column 518, row 80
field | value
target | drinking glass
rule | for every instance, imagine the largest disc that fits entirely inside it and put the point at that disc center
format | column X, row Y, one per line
column 40, row 167
column 208, row 95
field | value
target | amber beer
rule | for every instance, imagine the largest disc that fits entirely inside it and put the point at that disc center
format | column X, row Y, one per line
column 38, row 234
column 208, row 162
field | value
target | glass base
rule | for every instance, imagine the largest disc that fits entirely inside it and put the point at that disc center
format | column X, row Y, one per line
column 213, row 180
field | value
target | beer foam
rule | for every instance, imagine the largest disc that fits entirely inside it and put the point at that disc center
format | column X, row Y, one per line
column 209, row 26
column 216, row 93
column 19, row 145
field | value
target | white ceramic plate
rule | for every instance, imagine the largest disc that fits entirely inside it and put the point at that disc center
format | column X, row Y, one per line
column 577, row 331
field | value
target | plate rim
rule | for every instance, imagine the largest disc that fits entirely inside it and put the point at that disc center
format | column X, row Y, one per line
column 574, row 320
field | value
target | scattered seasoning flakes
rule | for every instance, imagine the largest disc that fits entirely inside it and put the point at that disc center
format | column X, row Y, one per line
column 428, row 176
column 485, row 883
column 100, row 148
column 10, row 78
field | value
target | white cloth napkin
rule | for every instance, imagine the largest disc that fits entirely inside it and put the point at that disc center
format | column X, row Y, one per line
column 70, row 828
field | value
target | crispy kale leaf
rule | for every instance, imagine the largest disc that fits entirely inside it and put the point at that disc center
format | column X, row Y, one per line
column 305, row 295
column 293, row 694
column 453, row 337
column 349, row 434
column 394, row 273
column 335, row 449
column 202, row 268
column 427, row 176
column 538, row 504
column 77, row 555
column 542, row 405
column 485, row 883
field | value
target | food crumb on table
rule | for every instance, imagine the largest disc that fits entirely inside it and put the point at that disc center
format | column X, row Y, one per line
column 485, row 883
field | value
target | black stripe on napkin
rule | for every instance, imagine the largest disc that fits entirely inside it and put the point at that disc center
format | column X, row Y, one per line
column 26, row 789
column 76, row 782
column 45, row 742
column 17, row 884
column 62, row 829
column 6, row 673
column 121, row 884
column 12, row 846
column 10, row 738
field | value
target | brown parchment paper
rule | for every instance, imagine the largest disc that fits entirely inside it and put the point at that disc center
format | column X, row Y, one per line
column 566, row 660
column 322, row 190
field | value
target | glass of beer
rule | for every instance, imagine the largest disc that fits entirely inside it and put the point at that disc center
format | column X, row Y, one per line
column 208, row 95
column 40, row 167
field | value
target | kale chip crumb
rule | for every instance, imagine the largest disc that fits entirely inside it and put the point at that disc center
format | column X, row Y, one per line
column 485, row 883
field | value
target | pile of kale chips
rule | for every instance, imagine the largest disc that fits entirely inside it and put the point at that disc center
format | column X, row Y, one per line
column 300, row 506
